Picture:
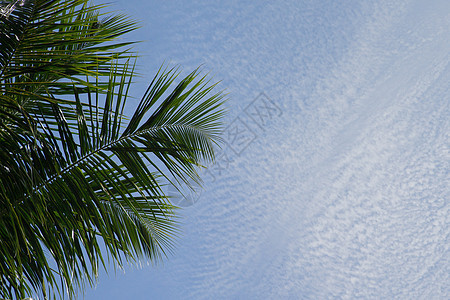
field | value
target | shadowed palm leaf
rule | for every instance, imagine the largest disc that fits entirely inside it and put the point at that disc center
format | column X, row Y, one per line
column 76, row 175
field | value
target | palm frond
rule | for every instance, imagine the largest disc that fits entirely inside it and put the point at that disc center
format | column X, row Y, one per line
column 75, row 173
column 49, row 45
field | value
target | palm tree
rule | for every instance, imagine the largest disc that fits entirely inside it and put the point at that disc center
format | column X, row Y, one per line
column 80, row 181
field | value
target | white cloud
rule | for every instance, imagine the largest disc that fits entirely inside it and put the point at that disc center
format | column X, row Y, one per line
column 346, row 194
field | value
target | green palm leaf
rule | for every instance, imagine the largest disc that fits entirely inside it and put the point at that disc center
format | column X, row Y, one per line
column 75, row 173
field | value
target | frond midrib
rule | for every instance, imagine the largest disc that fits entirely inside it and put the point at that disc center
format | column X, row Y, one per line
column 105, row 148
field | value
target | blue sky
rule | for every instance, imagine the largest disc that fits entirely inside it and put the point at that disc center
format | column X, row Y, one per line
column 334, row 181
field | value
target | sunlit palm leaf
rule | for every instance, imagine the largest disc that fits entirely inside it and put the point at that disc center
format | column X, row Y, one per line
column 74, row 172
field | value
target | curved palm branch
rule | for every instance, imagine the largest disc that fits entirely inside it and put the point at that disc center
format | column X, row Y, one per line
column 75, row 173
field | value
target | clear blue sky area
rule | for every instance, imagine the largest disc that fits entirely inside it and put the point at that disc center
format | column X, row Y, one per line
column 334, row 181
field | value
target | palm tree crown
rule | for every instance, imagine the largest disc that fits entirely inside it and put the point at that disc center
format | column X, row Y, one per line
column 77, row 175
